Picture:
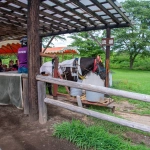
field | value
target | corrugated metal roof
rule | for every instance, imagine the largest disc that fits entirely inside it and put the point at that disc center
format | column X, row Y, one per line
column 62, row 16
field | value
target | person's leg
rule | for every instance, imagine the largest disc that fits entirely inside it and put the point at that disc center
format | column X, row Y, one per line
column 49, row 86
column 22, row 70
column 19, row 70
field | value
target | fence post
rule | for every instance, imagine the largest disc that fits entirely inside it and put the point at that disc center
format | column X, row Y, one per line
column 25, row 96
column 41, row 104
column 79, row 101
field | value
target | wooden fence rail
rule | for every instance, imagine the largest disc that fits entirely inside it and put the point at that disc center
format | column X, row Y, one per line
column 42, row 100
column 94, row 88
column 98, row 115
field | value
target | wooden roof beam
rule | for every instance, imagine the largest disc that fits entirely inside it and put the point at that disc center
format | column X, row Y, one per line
column 72, row 11
column 85, row 29
column 106, row 11
column 48, row 15
column 24, row 12
column 6, row 3
column 89, row 11
column 13, row 33
column 10, row 26
column 10, row 21
column 56, row 18
column 125, row 18
column 62, row 14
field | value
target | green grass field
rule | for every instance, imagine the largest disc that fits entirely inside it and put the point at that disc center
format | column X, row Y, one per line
column 132, row 80
column 135, row 81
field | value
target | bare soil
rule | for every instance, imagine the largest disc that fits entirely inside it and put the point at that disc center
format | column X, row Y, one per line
column 124, row 109
column 17, row 132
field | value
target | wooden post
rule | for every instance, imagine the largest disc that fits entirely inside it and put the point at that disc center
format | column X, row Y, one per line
column 25, row 96
column 42, row 105
column 55, row 86
column 41, row 59
column 33, row 56
column 79, row 101
column 107, row 59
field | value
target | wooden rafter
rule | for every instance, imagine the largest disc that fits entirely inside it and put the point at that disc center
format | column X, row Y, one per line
column 89, row 11
column 60, row 17
column 74, row 12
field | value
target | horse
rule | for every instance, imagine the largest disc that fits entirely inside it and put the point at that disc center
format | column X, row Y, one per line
column 76, row 69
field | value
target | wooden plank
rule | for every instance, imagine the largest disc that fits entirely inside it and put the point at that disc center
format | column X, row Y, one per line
column 41, row 104
column 33, row 56
column 48, row 55
column 79, row 101
column 94, row 88
column 24, row 75
column 25, row 96
column 99, row 115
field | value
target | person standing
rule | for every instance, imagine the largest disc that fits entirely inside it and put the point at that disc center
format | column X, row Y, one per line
column 15, row 66
column 23, row 56
column 1, row 67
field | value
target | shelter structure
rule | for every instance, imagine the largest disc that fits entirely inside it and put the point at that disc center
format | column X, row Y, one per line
column 39, row 18
column 9, row 47
column 61, row 50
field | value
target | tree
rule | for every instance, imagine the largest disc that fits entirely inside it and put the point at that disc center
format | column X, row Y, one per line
column 134, row 40
column 85, row 43
column 46, row 40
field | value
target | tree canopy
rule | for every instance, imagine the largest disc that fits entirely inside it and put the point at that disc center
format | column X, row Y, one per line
column 85, row 43
column 134, row 40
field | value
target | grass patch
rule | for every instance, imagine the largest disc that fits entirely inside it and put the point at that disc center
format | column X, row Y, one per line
column 93, row 137
column 62, row 89
column 133, row 81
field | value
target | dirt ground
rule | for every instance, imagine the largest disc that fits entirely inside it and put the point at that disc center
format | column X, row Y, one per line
column 124, row 109
column 18, row 133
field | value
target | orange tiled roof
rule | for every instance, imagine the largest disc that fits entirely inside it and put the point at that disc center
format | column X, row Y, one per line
column 62, row 50
column 9, row 47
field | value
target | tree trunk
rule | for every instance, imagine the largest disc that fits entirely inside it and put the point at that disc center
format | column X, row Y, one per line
column 131, row 63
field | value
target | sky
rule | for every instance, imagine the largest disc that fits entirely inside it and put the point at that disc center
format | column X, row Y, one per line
column 59, row 43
